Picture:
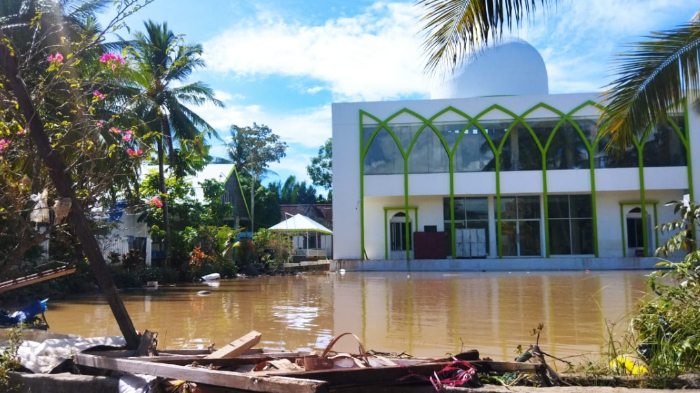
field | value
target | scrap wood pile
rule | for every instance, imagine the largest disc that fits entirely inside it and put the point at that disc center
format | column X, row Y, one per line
column 240, row 366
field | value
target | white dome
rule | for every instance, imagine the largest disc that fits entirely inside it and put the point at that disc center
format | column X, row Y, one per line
column 512, row 67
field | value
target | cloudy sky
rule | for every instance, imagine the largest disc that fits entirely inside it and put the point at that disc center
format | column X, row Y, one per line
column 283, row 62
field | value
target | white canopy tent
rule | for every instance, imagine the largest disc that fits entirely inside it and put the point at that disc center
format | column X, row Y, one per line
column 301, row 225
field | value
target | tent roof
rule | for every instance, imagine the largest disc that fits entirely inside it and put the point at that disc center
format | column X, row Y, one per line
column 299, row 223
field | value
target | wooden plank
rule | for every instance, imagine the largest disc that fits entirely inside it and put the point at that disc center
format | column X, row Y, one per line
column 35, row 278
column 237, row 347
column 366, row 376
column 147, row 346
column 227, row 379
column 391, row 374
column 202, row 360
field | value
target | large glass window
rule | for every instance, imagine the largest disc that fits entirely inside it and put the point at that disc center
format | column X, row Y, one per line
column 428, row 154
column 570, row 224
column 520, row 226
column 664, row 147
column 383, row 156
column 473, row 153
column 520, row 151
column 567, row 150
column 472, row 216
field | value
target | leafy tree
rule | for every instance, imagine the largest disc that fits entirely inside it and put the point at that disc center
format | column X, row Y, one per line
column 272, row 249
column 163, row 60
column 321, row 169
column 293, row 192
column 48, row 89
column 252, row 149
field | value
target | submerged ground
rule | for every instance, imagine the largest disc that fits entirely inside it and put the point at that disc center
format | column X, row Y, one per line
column 424, row 314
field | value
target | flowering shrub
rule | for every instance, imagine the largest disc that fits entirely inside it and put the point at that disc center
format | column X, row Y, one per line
column 155, row 201
column 55, row 58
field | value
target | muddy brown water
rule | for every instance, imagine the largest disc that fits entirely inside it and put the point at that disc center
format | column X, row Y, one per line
column 424, row 314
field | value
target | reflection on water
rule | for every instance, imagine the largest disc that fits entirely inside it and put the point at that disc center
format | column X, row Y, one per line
column 424, row 314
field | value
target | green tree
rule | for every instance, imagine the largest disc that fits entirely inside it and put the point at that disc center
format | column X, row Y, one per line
column 252, row 149
column 50, row 74
column 454, row 28
column 164, row 61
column 321, row 168
column 653, row 76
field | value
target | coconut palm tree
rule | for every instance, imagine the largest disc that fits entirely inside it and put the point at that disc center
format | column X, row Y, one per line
column 164, row 62
column 652, row 77
column 454, row 28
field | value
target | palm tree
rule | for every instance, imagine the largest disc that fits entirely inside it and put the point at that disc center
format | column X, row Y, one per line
column 454, row 28
column 163, row 61
column 653, row 76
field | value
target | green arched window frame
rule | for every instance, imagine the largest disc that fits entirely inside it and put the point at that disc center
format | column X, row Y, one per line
column 497, row 150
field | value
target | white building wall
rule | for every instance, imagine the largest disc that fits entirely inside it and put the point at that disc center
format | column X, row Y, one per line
column 346, row 182
column 612, row 185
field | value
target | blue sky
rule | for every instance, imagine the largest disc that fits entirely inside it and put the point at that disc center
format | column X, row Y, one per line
column 283, row 62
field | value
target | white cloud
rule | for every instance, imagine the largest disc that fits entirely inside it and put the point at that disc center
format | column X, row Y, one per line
column 308, row 127
column 314, row 90
column 579, row 39
column 371, row 56
column 224, row 96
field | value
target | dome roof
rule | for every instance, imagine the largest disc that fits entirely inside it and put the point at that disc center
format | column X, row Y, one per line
column 511, row 67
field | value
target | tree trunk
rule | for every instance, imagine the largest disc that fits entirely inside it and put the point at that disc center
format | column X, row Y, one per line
column 165, row 127
column 76, row 217
column 252, row 204
column 164, row 196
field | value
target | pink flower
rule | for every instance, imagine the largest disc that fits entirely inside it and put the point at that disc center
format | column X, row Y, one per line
column 112, row 58
column 139, row 151
column 115, row 130
column 99, row 95
column 133, row 153
column 155, row 201
column 127, row 136
column 21, row 132
column 57, row 57
column 4, row 144
column 100, row 123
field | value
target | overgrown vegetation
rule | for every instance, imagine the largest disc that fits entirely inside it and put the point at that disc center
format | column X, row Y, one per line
column 669, row 325
column 8, row 358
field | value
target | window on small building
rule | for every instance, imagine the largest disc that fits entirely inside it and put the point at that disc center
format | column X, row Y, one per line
column 570, row 224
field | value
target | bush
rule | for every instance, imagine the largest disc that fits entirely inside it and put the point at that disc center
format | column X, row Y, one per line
column 669, row 325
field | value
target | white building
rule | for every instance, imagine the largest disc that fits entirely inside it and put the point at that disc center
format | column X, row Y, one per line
column 518, row 177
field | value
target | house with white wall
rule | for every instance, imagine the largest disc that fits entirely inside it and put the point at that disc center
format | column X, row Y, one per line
column 495, row 173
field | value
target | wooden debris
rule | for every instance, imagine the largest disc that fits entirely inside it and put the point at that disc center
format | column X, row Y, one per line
column 237, row 347
column 36, row 278
column 229, row 379
column 147, row 346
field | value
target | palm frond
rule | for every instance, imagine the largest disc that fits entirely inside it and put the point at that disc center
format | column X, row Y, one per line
column 453, row 28
column 653, row 77
column 198, row 93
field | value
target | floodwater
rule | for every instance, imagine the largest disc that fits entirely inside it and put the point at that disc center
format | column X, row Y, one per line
column 423, row 314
